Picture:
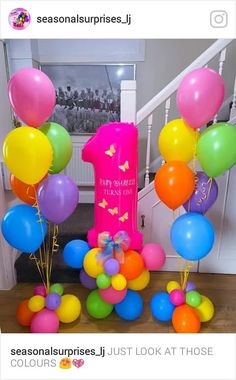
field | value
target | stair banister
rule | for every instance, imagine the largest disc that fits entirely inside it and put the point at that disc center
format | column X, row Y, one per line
column 166, row 93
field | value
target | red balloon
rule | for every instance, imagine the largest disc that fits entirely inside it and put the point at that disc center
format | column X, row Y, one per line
column 174, row 183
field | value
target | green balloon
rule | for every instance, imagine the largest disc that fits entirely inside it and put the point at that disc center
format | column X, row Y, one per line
column 56, row 288
column 60, row 141
column 193, row 298
column 103, row 281
column 216, row 149
column 96, row 307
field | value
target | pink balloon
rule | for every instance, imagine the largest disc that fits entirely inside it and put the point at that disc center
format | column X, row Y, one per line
column 32, row 96
column 46, row 321
column 40, row 290
column 200, row 96
column 112, row 296
column 154, row 256
column 177, row 297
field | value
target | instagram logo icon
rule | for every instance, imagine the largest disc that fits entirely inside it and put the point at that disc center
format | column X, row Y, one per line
column 19, row 18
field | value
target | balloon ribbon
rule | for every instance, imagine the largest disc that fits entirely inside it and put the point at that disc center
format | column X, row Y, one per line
column 113, row 246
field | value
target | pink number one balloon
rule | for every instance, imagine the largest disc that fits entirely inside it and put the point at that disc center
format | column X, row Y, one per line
column 113, row 151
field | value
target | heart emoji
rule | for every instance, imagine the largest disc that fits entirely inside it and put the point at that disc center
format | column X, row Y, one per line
column 78, row 363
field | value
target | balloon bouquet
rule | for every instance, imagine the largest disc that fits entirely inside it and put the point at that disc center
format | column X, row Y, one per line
column 111, row 264
column 35, row 154
column 199, row 98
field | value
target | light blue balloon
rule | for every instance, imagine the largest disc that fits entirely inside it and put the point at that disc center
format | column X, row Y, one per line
column 161, row 307
column 192, row 236
column 22, row 228
column 131, row 307
column 74, row 253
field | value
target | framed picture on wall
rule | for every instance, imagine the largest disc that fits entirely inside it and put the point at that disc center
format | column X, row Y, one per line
column 87, row 95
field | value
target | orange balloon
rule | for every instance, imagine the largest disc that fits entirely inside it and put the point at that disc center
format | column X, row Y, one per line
column 23, row 314
column 174, row 183
column 23, row 191
column 133, row 265
column 186, row 320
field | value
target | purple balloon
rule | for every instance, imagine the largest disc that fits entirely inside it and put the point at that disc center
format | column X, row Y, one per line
column 190, row 286
column 111, row 267
column 87, row 281
column 53, row 301
column 58, row 197
column 204, row 195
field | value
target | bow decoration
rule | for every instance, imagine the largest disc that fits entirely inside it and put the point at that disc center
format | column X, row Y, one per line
column 113, row 247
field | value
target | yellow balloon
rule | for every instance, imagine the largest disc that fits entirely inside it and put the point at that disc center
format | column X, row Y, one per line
column 92, row 266
column 172, row 285
column 28, row 154
column 177, row 141
column 69, row 309
column 36, row 303
column 205, row 310
column 118, row 282
column 140, row 282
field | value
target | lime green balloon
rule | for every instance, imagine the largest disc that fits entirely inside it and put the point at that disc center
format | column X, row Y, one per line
column 103, row 281
column 56, row 288
column 193, row 298
column 96, row 307
column 216, row 149
column 60, row 141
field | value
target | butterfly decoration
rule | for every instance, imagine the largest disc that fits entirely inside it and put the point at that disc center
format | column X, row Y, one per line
column 103, row 204
column 111, row 151
column 124, row 217
column 113, row 211
column 124, row 167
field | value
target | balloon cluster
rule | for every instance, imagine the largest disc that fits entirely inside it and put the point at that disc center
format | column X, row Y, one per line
column 44, row 311
column 114, row 273
column 21, row 19
column 199, row 98
column 186, row 308
column 35, row 154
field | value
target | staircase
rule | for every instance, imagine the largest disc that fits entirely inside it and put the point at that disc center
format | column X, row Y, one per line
column 154, row 218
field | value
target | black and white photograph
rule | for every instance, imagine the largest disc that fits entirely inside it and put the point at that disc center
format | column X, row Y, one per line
column 87, row 96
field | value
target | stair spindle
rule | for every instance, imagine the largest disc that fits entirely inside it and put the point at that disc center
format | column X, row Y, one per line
column 167, row 110
column 221, row 66
column 234, row 96
column 148, row 153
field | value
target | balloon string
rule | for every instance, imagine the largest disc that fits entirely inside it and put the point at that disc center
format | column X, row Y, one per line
column 55, row 246
column 184, row 270
column 194, row 162
column 44, row 256
column 39, row 267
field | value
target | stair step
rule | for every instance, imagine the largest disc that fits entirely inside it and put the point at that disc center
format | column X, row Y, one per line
column 75, row 227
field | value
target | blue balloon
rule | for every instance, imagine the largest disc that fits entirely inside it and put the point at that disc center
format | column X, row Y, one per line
column 161, row 307
column 192, row 236
column 23, row 229
column 131, row 307
column 74, row 253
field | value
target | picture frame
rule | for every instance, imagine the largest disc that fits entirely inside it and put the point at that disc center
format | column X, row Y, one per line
column 87, row 95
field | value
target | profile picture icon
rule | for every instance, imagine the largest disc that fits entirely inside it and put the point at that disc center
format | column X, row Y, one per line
column 19, row 18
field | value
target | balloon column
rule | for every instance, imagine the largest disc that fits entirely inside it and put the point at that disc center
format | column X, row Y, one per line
column 35, row 154
column 114, row 273
column 199, row 98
